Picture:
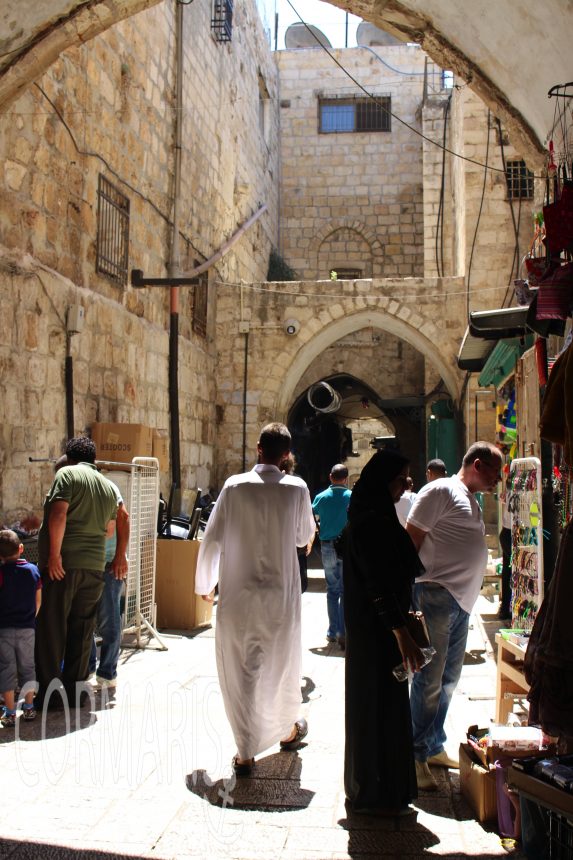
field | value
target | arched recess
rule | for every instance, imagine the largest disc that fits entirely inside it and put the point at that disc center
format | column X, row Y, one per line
column 346, row 224
column 346, row 249
column 428, row 345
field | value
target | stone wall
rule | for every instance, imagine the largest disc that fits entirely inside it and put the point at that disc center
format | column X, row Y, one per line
column 108, row 107
column 262, row 369
column 352, row 199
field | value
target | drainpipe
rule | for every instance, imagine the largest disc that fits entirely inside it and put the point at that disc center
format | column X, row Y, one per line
column 69, row 377
column 245, row 379
column 173, row 266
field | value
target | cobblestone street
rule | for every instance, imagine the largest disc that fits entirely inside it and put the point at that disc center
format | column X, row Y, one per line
column 146, row 772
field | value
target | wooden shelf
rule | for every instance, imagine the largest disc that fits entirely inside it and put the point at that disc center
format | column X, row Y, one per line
column 510, row 677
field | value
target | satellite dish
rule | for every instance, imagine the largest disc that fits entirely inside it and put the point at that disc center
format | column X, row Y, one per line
column 368, row 35
column 298, row 36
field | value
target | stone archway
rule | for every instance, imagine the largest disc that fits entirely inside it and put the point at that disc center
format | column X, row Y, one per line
column 427, row 341
column 31, row 40
column 471, row 45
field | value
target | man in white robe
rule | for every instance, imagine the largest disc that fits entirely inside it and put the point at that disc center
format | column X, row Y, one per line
column 249, row 548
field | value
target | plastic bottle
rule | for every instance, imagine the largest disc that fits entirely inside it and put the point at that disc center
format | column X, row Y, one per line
column 402, row 674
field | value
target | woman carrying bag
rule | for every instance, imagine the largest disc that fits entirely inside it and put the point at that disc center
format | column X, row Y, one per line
column 380, row 565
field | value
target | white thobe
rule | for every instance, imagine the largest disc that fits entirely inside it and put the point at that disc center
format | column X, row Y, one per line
column 249, row 547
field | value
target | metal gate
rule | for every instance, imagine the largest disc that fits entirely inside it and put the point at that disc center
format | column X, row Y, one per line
column 140, row 491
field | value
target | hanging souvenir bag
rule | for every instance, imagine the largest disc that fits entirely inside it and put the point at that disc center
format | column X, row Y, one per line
column 558, row 218
column 536, row 260
column 555, row 293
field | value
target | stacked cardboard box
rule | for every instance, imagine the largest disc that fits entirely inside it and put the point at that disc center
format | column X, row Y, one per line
column 120, row 443
column 477, row 763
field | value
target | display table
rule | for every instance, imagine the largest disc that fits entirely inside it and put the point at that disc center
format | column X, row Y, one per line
column 510, row 678
column 541, row 792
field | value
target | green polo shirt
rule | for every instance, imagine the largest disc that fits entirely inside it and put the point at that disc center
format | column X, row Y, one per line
column 92, row 503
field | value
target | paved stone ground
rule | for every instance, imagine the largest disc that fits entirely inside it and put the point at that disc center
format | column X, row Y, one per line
column 145, row 772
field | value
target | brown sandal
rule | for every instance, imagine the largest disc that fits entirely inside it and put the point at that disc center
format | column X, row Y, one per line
column 301, row 731
column 242, row 768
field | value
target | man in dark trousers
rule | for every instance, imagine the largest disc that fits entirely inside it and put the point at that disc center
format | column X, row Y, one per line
column 71, row 545
column 331, row 509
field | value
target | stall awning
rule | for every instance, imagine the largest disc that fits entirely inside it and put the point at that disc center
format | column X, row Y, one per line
column 486, row 328
column 502, row 359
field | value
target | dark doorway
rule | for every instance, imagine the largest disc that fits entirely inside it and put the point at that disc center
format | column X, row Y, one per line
column 321, row 439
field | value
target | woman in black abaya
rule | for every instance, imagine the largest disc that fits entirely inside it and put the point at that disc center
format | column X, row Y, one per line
column 380, row 564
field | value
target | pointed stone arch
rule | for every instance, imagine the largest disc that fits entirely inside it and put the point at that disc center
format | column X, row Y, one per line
column 428, row 340
column 39, row 37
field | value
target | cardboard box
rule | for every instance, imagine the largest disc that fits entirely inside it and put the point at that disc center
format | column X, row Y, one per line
column 477, row 784
column 178, row 607
column 521, row 745
column 161, row 449
column 120, row 443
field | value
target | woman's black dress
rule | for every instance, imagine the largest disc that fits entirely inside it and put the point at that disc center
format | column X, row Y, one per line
column 380, row 564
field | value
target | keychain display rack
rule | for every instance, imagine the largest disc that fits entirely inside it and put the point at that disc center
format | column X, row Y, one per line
column 524, row 505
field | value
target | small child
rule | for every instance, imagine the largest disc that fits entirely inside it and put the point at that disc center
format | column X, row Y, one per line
column 20, row 598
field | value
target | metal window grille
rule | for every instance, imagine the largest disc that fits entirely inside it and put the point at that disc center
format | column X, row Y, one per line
column 519, row 180
column 222, row 20
column 373, row 115
column 200, row 300
column 112, row 241
column 338, row 115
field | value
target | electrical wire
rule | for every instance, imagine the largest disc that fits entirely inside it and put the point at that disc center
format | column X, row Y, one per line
column 510, row 201
column 485, row 166
column 440, row 217
column 89, row 154
column 384, row 108
column 328, row 297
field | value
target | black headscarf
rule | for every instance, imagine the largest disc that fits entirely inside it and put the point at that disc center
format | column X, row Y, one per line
column 371, row 493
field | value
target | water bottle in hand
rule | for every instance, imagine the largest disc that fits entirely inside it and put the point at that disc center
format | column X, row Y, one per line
column 402, row 674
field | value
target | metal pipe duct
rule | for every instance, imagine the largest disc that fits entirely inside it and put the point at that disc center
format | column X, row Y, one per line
column 322, row 397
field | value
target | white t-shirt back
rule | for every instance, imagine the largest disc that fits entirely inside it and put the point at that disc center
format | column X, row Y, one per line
column 454, row 551
column 404, row 506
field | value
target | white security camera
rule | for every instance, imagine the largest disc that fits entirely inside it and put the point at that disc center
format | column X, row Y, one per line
column 291, row 326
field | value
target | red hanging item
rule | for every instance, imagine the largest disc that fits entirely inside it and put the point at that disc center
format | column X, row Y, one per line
column 558, row 218
column 555, row 293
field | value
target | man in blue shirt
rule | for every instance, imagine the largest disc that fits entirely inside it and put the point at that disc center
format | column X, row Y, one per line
column 331, row 510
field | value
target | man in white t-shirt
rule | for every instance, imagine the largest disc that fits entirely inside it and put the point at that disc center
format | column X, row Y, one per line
column 404, row 504
column 446, row 526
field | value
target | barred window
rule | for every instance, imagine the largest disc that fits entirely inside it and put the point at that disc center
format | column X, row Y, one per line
column 338, row 115
column 199, row 303
column 112, row 240
column 222, row 20
column 519, row 180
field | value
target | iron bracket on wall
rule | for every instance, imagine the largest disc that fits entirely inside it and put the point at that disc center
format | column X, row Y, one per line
column 137, row 280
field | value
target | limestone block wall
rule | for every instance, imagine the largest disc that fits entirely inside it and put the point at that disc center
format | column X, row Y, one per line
column 261, row 369
column 482, row 224
column 351, row 199
column 108, row 107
